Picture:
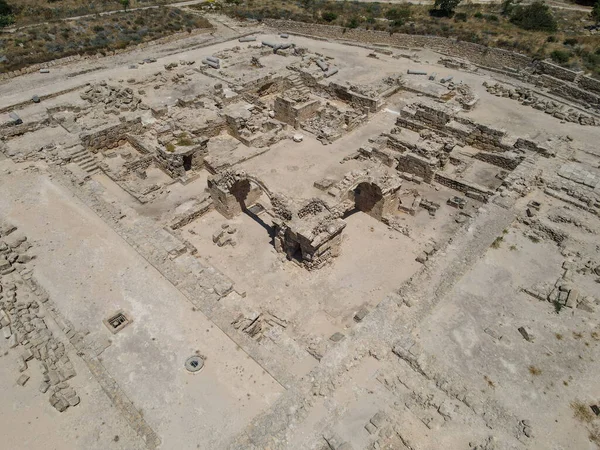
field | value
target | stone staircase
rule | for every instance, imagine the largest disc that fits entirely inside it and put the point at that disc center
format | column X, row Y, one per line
column 86, row 160
column 298, row 84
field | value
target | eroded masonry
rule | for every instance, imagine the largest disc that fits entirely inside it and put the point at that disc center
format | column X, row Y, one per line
column 289, row 238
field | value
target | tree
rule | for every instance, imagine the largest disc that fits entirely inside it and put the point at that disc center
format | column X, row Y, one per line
column 536, row 16
column 445, row 7
column 125, row 4
column 6, row 14
column 329, row 16
column 596, row 12
column 507, row 7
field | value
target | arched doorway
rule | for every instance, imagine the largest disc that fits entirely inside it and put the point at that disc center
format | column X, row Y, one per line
column 240, row 190
column 368, row 198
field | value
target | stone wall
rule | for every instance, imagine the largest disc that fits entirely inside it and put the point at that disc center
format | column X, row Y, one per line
column 477, row 54
column 174, row 163
column 292, row 113
column 417, row 165
column 9, row 130
column 591, row 84
column 137, row 144
column 570, row 91
column 112, row 135
column 68, row 59
column 356, row 100
column 508, row 162
column 139, row 164
column 526, row 144
column 556, row 71
column 42, row 98
column 463, row 186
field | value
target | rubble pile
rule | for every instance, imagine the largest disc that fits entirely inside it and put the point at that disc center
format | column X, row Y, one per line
column 225, row 236
column 527, row 97
column 464, row 95
column 23, row 325
column 115, row 99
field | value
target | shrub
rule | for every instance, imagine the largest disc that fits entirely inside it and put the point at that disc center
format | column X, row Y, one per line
column 560, row 56
column 596, row 12
column 478, row 15
column 444, row 7
column 184, row 140
column 6, row 14
column 5, row 8
column 551, row 39
column 536, row 16
column 491, row 18
column 329, row 16
column 460, row 17
column 353, row 23
column 570, row 41
column 398, row 15
column 507, row 7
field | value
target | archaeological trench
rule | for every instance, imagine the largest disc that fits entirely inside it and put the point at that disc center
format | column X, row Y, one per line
column 300, row 237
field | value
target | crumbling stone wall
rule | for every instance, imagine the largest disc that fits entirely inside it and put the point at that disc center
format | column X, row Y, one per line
column 589, row 83
column 357, row 100
column 309, row 251
column 508, row 162
column 556, row 71
column 526, row 144
column 477, row 54
column 288, row 111
column 111, row 136
column 463, row 186
column 484, row 137
column 174, row 163
column 139, row 164
column 11, row 130
column 137, row 144
column 570, row 92
column 232, row 192
column 417, row 165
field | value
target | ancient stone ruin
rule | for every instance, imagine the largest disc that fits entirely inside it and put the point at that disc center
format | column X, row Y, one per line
column 293, row 236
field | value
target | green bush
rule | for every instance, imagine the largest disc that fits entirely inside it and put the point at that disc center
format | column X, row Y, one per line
column 491, row 18
column 570, row 41
column 537, row 16
column 353, row 23
column 507, row 7
column 551, row 39
column 460, row 17
column 6, row 14
column 444, row 7
column 596, row 12
column 478, row 15
column 560, row 56
column 398, row 16
column 329, row 16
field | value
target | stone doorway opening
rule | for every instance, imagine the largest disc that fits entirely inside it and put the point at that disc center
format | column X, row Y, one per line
column 367, row 198
column 187, row 162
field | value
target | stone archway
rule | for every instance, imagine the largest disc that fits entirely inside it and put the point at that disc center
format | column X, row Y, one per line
column 367, row 197
column 241, row 190
column 233, row 192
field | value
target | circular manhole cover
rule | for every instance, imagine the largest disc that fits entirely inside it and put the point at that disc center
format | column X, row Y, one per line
column 194, row 364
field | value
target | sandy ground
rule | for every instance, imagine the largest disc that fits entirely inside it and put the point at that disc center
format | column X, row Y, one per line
column 90, row 273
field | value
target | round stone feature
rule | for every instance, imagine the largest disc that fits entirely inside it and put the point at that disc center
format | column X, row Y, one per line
column 194, row 363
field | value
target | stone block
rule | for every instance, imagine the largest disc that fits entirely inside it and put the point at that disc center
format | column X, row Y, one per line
column 372, row 429
column 526, row 333
column 572, row 298
column 22, row 379
column 379, row 419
